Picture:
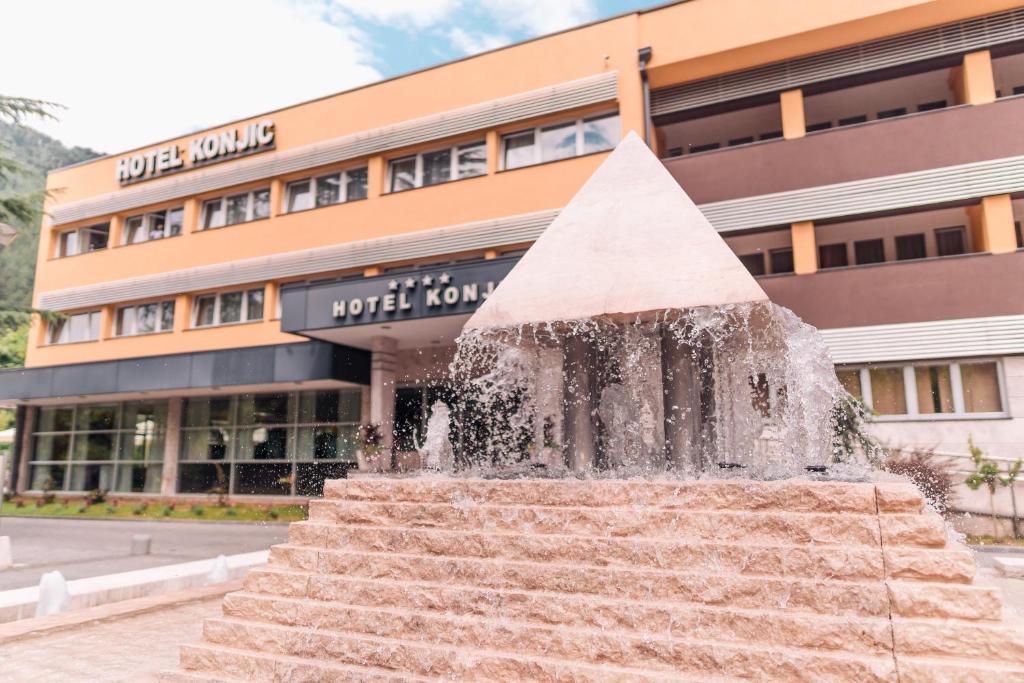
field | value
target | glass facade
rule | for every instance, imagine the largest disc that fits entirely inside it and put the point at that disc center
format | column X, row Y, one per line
column 268, row 444
column 108, row 446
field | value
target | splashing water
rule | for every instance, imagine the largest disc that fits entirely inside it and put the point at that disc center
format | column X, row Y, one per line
column 742, row 389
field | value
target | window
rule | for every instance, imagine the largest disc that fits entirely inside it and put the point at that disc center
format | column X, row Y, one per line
column 227, row 307
column 853, row 120
column 753, row 263
column 951, row 241
column 560, row 141
column 697, row 149
column 268, row 444
column 736, row 142
column 771, row 135
column 438, row 166
column 154, row 225
column 781, row 260
column 892, row 113
column 79, row 327
column 83, row 240
column 932, row 106
column 815, row 127
column 832, row 256
column 236, row 208
column 935, row 390
column 910, row 247
column 157, row 316
column 869, row 251
column 109, row 446
column 333, row 188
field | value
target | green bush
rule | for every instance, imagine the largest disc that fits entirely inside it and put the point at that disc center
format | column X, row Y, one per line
column 139, row 509
column 197, row 510
column 231, row 512
column 166, row 512
column 111, row 509
column 273, row 513
column 82, row 508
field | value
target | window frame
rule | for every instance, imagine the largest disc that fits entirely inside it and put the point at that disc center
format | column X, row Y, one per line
column 50, row 341
column 222, row 201
column 80, row 237
column 536, row 131
column 117, row 332
column 217, row 298
column 910, row 389
column 146, row 219
column 453, row 168
column 313, row 180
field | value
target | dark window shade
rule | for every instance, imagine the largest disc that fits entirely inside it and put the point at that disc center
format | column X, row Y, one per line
column 781, row 260
column 1020, row 236
column 892, row 113
column 910, row 247
column 869, row 251
column 741, row 141
column 696, row 149
column 931, row 106
column 951, row 241
column 823, row 125
column 832, row 256
column 773, row 135
column 754, row 263
column 851, row 120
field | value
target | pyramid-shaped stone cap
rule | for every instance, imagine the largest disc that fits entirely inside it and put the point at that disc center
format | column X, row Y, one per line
column 630, row 241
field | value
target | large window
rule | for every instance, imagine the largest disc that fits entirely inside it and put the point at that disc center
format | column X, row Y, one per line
column 154, row 225
column 236, row 208
column 332, row 188
column 932, row 390
column 79, row 327
column 268, row 444
column 209, row 310
column 108, row 446
column 83, row 240
column 560, row 141
column 437, row 166
column 156, row 316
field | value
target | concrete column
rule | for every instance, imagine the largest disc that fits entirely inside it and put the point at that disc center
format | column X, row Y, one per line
column 974, row 82
column 26, row 447
column 493, row 152
column 805, row 248
column 793, row 122
column 190, row 217
column 580, row 435
column 107, row 322
column 992, row 226
column 383, row 367
column 270, row 293
column 182, row 312
column 172, row 447
column 276, row 197
column 376, row 174
column 491, row 254
column 116, row 236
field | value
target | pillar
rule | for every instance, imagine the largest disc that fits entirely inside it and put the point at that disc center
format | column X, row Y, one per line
column 992, row 226
column 271, row 292
column 376, row 170
column 172, row 447
column 792, row 105
column 116, row 236
column 383, row 369
column 26, row 447
column 491, row 254
column 805, row 248
column 372, row 271
column 276, row 197
column 493, row 152
column 578, row 424
column 182, row 312
column 107, row 314
column 973, row 82
column 190, row 216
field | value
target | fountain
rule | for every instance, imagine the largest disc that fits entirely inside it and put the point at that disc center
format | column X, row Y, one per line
column 649, row 495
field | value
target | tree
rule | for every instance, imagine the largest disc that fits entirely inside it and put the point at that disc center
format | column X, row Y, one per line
column 850, row 435
column 985, row 473
column 19, row 207
column 1012, row 470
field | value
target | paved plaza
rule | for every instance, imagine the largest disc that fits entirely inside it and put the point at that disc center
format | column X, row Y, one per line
column 85, row 548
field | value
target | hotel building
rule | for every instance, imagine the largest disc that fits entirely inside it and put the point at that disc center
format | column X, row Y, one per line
column 238, row 300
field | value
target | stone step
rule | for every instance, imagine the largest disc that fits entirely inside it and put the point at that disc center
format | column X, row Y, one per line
column 660, row 657
column 710, row 588
column 843, row 562
column 440, row 614
column 225, row 663
column 793, row 496
column 936, row 638
column 194, row 677
column 789, row 528
column 944, row 601
column 957, row 670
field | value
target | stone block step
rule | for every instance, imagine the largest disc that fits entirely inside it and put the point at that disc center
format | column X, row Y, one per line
column 953, row 670
column 194, row 677
column 650, row 656
column 793, row 496
column 837, row 562
column 440, row 614
column 936, row 638
column 944, row 601
column 226, row 662
column 710, row 588
column 790, row 528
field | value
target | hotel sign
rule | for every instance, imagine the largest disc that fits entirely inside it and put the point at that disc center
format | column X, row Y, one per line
column 205, row 149
column 423, row 293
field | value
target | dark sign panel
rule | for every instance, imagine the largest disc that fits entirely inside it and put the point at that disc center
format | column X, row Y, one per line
column 422, row 293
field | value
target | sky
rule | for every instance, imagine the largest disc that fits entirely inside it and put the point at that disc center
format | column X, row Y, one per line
column 130, row 73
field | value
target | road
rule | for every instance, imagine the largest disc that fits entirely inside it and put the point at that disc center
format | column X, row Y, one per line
column 82, row 548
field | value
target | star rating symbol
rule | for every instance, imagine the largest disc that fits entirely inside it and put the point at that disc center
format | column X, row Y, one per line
column 445, row 278
column 410, row 283
column 393, row 285
column 428, row 280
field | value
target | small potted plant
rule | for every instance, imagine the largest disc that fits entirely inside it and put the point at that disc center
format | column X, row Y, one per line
column 371, row 454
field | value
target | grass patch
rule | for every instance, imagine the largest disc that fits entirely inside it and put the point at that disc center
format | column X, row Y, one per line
column 992, row 540
column 239, row 512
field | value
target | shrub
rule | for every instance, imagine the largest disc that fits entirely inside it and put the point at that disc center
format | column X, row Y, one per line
column 96, row 496
column 82, row 508
column 111, row 509
column 231, row 512
column 166, row 512
column 933, row 476
column 139, row 509
column 19, row 503
column 273, row 513
column 197, row 510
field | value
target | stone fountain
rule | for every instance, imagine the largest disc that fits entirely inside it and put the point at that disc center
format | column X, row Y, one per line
column 670, row 531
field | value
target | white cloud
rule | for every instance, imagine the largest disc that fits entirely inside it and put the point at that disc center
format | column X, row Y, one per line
column 131, row 73
column 418, row 13
column 472, row 43
column 537, row 17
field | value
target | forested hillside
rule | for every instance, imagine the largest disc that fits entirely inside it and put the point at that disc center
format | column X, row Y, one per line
column 37, row 154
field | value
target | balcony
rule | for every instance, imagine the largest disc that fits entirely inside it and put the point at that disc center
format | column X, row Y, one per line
column 944, row 137
column 967, row 286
